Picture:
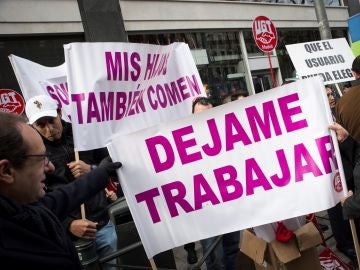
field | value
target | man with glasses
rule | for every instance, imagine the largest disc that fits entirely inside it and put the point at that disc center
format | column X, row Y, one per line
column 45, row 117
column 31, row 234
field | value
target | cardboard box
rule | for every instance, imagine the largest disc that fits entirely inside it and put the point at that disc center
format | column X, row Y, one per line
column 297, row 254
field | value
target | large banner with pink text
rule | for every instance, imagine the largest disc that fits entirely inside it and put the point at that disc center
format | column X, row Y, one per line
column 118, row 88
column 253, row 161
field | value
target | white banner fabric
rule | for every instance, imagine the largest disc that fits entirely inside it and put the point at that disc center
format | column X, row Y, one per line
column 119, row 88
column 330, row 59
column 254, row 161
column 35, row 79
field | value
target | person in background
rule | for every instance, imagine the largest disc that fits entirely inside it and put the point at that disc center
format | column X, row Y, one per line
column 346, row 88
column 341, row 228
column 226, row 254
column 45, row 117
column 355, row 68
column 191, row 253
column 190, row 247
column 348, row 117
column 347, row 108
column 331, row 99
column 239, row 95
column 31, row 233
column 226, row 99
column 351, row 202
column 201, row 104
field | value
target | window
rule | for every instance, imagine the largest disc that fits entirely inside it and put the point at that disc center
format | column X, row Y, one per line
column 221, row 71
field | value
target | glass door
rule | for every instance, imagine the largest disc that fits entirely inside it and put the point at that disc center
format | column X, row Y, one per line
column 262, row 82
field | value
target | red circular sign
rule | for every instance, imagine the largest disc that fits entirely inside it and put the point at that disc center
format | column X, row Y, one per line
column 264, row 33
column 11, row 101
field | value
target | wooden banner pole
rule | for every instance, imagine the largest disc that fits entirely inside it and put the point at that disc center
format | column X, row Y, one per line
column 82, row 206
column 355, row 238
column 152, row 263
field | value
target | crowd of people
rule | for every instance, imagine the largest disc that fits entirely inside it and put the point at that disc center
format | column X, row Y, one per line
column 52, row 197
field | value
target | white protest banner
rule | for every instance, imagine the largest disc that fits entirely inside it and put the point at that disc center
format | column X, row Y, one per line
column 254, row 161
column 331, row 59
column 118, row 88
column 35, row 79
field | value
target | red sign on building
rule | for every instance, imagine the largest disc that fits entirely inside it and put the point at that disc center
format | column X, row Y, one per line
column 264, row 33
column 11, row 101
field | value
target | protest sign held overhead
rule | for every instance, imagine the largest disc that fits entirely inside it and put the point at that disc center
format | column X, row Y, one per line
column 330, row 59
column 118, row 88
column 35, row 79
column 266, row 153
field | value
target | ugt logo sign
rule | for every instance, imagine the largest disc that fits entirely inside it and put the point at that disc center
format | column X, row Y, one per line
column 11, row 101
column 264, row 33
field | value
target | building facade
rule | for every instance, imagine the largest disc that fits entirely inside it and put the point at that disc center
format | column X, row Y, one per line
column 218, row 33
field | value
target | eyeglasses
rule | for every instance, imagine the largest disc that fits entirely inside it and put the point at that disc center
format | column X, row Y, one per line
column 45, row 157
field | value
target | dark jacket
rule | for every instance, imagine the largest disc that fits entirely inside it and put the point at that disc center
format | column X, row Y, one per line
column 62, row 152
column 32, row 236
column 348, row 112
column 350, row 151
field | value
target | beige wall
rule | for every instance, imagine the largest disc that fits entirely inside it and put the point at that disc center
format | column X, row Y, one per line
column 221, row 14
column 63, row 16
column 39, row 16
